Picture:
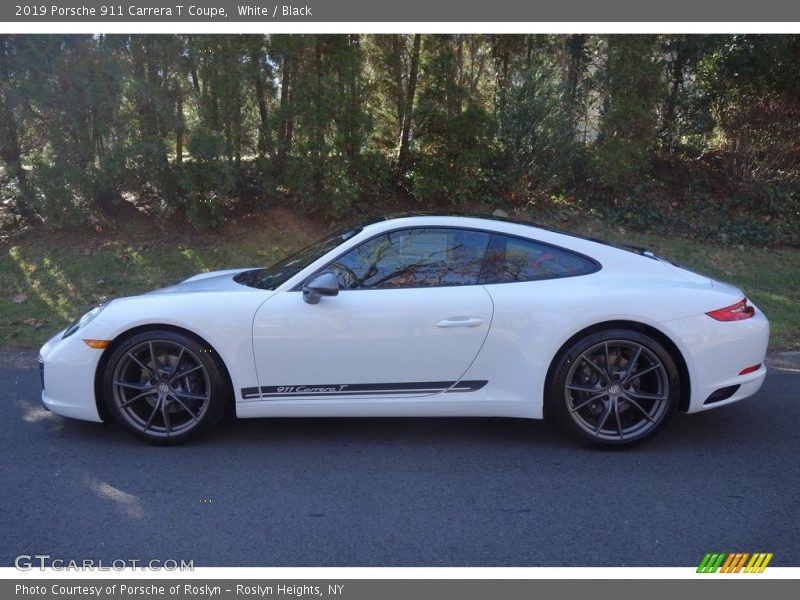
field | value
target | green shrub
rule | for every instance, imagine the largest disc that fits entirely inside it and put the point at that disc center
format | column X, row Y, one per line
column 453, row 166
column 207, row 180
column 205, row 212
column 538, row 135
column 64, row 195
column 149, row 175
column 206, row 146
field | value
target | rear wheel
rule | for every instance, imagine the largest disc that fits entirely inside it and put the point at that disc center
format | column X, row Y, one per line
column 614, row 388
column 164, row 387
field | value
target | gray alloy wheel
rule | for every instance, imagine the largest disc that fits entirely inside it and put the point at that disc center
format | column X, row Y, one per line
column 164, row 387
column 615, row 388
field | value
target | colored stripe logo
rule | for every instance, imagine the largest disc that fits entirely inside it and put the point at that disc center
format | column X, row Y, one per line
column 735, row 562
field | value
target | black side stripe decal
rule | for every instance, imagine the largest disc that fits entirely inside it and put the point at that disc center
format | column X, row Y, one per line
column 278, row 392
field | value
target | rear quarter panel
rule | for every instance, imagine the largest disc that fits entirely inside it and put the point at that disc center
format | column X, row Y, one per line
column 533, row 320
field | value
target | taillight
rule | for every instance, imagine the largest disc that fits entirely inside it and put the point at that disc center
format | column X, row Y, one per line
column 735, row 312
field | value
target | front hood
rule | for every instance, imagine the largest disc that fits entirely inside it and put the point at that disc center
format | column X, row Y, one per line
column 213, row 281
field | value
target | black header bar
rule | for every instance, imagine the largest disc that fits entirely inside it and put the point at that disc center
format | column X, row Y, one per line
column 439, row 11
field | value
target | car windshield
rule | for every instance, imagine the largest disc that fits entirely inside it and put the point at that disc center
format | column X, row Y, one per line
column 272, row 277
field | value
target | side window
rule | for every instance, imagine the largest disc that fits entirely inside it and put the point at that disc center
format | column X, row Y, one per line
column 413, row 258
column 513, row 259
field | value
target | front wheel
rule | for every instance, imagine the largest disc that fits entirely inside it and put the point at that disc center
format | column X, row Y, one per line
column 614, row 388
column 165, row 387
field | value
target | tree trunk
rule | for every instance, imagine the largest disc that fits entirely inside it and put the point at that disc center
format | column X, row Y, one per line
column 287, row 123
column 10, row 150
column 11, row 155
column 575, row 49
column 475, row 76
column 671, row 102
column 319, row 126
column 180, row 127
column 405, row 136
column 354, row 95
column 264, row 141
column 398, row 75
column 455, row 104
column 79, row 98
column 502, row 93
column 193, row 65
column 529, row 49
column 143, row 105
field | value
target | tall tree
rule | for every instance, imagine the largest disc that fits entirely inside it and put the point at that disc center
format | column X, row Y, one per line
column 319, row 117
column 285, row 52
column 260, row 73
column 10, row 148
column 628, row 133
column 408, row 106
column 575, row 60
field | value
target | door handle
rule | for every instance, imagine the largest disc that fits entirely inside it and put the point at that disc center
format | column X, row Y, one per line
column 460, row 322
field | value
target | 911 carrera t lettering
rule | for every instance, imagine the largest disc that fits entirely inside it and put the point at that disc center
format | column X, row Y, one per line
column 305, row 389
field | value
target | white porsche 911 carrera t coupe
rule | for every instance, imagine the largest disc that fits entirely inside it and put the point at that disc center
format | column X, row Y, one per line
column 418, row 316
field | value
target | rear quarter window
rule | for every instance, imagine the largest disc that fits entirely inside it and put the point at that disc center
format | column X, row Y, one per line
column 509, row 259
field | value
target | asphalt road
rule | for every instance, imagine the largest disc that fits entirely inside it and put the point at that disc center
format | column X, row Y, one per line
column 401, row 492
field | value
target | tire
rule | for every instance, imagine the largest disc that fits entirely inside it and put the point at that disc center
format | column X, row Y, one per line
column 165, row 387
column 614, row 388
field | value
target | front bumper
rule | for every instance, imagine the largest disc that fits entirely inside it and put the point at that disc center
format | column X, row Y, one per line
column 67, row 368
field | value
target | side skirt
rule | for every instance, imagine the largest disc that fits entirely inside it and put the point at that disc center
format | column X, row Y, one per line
column 366, row 390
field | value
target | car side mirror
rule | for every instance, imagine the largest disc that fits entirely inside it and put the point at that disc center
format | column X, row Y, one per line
column 321, row 284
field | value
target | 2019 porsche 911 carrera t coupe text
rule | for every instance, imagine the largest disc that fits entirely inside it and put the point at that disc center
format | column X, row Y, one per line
column 418, row 316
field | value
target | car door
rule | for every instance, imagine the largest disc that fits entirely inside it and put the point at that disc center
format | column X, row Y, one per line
column 409, row 319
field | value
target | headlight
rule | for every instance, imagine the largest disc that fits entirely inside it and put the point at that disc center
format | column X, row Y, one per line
column 84, row 320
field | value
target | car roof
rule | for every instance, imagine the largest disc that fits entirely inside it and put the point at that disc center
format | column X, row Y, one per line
column 502, row 219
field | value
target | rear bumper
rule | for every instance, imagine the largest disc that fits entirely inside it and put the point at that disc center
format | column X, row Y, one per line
column 748, row 385
column 716, row 352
